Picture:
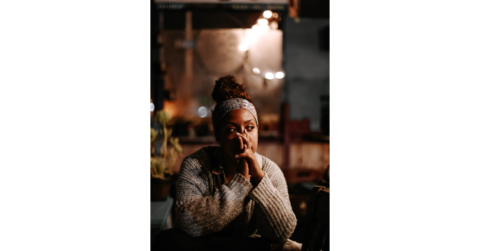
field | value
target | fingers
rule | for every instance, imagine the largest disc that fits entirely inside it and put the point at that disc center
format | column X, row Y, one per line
column 244, row 146
column 242, row 155
column 243, row 168
column 249, row 141
column 245, row 133
column 245, row 140
column 241, row 143
column 241, row 146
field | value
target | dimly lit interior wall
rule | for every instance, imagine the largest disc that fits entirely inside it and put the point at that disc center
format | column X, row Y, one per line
column 306, row 67
column 156, row 80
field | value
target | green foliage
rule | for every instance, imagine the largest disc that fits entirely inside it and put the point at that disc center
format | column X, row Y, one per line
column 153, row 140
column 163, row 117
column 161, row 166
column 157, row 167
column 153, row 135
column 176, row 145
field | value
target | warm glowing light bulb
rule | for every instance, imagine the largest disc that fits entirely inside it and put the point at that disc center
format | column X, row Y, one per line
column 255, row 27
column 279, row 75
column 256, row 70
column 202, row 111
column 267, row 14
column 262, row 22
column 273, row 25
column 269, row 75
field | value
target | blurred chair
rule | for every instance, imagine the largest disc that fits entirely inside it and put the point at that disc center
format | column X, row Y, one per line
column 161, row 217
column 317, row 231
column 301, row 175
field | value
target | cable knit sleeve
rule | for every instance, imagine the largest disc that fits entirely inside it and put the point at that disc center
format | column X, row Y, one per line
column 275, row 219
column 197, row 210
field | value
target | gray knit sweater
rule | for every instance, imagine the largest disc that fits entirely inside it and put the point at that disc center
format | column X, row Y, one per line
column 207, row 204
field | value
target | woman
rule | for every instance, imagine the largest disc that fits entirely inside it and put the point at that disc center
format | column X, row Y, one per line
column 231, row 197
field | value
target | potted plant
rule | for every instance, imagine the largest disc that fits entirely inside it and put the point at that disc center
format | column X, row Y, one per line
column 161, row 165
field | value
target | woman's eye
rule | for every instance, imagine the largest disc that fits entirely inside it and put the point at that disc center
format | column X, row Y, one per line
column 233, row 129
column 250, row 128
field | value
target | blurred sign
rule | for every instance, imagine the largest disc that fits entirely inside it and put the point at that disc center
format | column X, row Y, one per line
column 242, row 5
column 309, row 8
column 184, row 44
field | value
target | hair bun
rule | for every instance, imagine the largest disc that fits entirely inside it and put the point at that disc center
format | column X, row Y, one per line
column 228, row 88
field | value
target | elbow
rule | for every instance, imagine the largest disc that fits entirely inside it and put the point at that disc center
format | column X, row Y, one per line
column 191, row 232
column 189, row 228
column 192, row 226
column 186, row 225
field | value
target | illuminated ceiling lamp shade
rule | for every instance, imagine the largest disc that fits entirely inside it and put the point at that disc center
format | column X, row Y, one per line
column 279, row 75
column 202, row 111
column 269, row 75
column 267, row 14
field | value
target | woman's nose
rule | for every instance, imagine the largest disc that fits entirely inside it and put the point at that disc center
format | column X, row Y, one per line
column 243, row 130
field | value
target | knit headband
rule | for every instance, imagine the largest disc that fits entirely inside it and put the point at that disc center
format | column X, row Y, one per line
column 229, row 105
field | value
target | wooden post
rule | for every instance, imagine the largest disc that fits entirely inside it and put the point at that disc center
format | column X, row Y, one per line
column 188, row 50
column 286, row 135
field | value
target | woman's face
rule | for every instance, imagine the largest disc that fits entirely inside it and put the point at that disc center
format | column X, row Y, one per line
column 237, row 121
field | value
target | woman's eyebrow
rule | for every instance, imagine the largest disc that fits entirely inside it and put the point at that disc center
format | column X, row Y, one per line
column 234, row 124
column 231, row 123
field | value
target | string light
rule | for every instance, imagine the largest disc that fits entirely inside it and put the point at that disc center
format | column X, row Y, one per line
column 202, row 111
column 267, row 14
column 273, row 25
column 269, row 75
column 279, row 75
column 256, row 70
column 262, row 22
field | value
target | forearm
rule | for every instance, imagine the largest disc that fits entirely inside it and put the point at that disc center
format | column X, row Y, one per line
column 256, row 176
column 255, row 171
column 276, row 219
column 199, row 215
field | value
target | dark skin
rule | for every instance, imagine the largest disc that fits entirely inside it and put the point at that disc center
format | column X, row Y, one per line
column 238, row 138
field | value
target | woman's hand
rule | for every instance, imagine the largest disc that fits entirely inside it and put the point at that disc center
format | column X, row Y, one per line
column 256, row 171
column 242, row 164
